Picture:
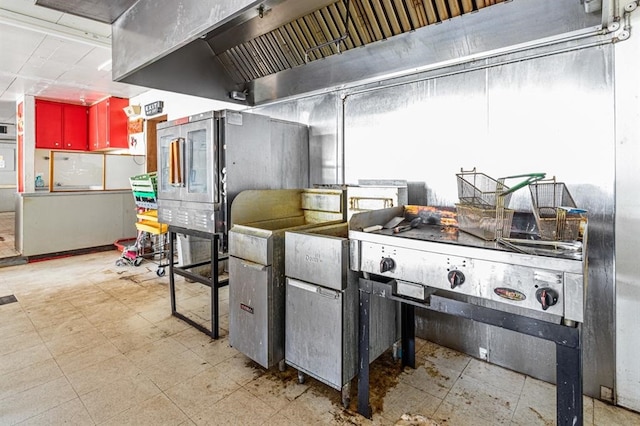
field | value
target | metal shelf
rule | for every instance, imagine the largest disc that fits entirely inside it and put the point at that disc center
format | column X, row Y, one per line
column 214, row 283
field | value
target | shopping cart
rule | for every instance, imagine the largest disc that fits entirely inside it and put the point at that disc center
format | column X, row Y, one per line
column 152, row 241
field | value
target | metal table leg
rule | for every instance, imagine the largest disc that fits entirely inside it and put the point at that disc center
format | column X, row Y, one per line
column 569, row 385
column 172, row 282
column 214, row 288
column 363, row 350
column 408, row 334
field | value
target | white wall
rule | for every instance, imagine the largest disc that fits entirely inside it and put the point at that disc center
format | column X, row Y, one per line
column 70, row 221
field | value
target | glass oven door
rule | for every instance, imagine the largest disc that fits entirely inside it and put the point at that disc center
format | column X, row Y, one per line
column 201, row 165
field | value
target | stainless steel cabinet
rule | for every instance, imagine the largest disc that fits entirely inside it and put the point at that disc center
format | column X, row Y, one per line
column 258, row 311
column 320, row 330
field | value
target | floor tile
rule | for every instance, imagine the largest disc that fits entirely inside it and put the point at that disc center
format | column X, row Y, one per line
column 103, row 373
column 29, row 377
column 23, row 358
column 450, row 414
column 433, row 379
column 34, row 401
column 493, row 375
column 112, row 399
column 156, row 352
column 159, row 410
column 89, row 342
column 609, row 415
column 489, row 402
column 405, row 398
column 86, row 357
column 19, row 342
column 75, row 341
column 276, row 390
column 181, row 367
column 205, row 388
column 441, row 356
column 69, row 413
column 311, row 408
column 239, row 408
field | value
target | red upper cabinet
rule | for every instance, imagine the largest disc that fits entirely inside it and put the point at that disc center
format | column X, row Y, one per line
column 48, row 124
column 108, row 124
column 75, row 125
column 61, row 126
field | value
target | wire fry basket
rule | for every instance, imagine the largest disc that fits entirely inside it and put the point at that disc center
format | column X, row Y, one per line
column 479, row 189
column 483, row 204
column 484, row 222
column 555, row 211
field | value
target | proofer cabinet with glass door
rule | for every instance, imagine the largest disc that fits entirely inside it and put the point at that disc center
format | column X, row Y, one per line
column 108, row 124
column 61, row 125
column 188, row 173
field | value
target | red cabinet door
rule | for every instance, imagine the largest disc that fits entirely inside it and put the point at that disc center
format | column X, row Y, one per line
column 93, row 127
column 118, row 121
column 48, row 124
column 75, row 127
column 108, row 124
column 103, row 125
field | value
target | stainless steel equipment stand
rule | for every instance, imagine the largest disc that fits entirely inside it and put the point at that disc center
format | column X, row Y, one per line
column 213, row 283
column 566, row 338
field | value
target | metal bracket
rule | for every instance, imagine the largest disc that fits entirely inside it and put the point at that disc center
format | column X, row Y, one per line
column 335, row 41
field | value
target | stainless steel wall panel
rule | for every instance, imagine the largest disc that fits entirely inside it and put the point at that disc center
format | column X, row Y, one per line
column 321, row 113
column 627, row 219
column 290, row 160
column 505, row 120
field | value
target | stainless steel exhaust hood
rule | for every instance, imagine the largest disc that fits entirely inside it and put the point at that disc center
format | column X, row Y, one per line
column 283, row 48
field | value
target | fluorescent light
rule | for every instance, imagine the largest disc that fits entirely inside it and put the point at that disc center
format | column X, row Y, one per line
column 105, row 66
column 30, row 23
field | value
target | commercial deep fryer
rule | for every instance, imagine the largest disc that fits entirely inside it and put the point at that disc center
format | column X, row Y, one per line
column 321, row 318
column 257, row 261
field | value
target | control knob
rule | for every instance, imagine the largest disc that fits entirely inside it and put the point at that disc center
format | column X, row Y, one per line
column 387, row 264
column 455, row 278
column 547, row 297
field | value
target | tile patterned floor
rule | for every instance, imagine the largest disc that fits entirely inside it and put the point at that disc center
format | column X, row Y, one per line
column 90, row 343
column 7, row 235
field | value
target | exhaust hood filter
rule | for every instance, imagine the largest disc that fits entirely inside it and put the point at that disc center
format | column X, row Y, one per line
column 333, row 29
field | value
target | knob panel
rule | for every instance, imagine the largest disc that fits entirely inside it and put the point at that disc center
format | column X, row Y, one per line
column 456, row 278
column 546, row 297
column 387, row 264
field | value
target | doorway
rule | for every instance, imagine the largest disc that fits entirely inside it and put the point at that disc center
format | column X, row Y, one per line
column 151, row 142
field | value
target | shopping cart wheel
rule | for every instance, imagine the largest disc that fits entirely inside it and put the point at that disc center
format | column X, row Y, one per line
column 138, row 261
column 160, row 272
column 120, row 262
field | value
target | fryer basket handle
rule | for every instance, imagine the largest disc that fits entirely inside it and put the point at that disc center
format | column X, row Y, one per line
column 530, row 178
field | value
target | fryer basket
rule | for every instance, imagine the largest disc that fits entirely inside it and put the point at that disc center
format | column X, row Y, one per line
column 552, row 204
column 479, row 189
column 484, row 222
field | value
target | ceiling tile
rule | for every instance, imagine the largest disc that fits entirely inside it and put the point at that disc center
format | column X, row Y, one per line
column 27, row 7
column 87, row 25
column 19, row 38
column 94, row 58
column 62, row 51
